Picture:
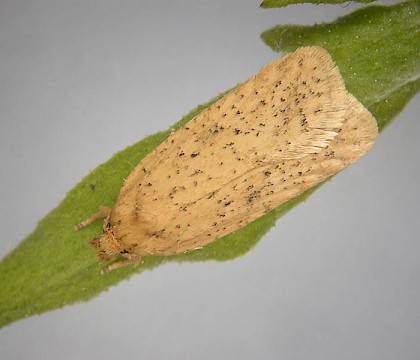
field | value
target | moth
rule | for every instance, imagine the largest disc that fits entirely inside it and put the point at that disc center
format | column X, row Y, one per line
column 279, row 133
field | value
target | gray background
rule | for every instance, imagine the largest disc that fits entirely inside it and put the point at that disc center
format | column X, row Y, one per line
column 337, row 278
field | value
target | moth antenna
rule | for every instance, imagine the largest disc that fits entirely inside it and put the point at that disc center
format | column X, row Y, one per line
column 103, row 256
column 102, row 213
column 95, row 242
column 134, row 260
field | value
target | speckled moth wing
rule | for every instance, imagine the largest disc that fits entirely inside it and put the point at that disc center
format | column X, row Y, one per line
column 276, row 135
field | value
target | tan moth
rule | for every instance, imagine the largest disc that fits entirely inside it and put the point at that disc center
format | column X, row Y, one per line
column 281, row 132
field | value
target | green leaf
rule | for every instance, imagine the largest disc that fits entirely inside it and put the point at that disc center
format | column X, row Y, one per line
column 54, row 266
column 283, row 3
column 376, row 49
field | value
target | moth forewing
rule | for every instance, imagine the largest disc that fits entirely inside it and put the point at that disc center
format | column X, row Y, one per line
column 281, row 132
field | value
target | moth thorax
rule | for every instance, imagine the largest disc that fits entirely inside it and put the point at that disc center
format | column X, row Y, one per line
column 108, row 242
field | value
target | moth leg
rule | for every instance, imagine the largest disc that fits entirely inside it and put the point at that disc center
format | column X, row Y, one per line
column 135, row 260
column 102, row 213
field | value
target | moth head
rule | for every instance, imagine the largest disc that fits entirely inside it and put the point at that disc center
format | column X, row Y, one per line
column 110, row 245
